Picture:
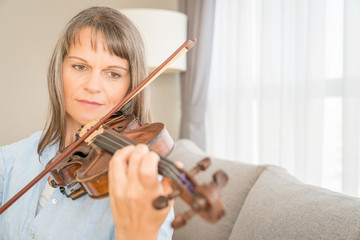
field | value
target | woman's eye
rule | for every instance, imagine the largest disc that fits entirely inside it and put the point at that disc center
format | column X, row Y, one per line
column 114, row 75
column 79, row 67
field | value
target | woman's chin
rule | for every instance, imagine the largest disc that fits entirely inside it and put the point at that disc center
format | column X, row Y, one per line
column 88, row 121
column 78, row 121
column 90, row 118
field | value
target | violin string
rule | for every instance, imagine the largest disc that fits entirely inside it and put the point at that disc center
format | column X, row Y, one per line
column 107, row 146
column 167, row 168
column 174, row 173
column 163, row 169
column 128, row 141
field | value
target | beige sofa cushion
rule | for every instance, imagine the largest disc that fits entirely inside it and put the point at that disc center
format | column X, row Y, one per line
column 281, row 207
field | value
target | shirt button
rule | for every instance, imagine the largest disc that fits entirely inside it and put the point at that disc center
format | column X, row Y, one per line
column 54, row 201
column 32, row 236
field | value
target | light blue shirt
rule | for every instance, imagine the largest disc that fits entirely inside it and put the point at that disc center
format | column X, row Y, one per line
column 61, row 218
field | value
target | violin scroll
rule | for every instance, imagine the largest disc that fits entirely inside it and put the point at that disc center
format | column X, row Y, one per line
column 203, row 199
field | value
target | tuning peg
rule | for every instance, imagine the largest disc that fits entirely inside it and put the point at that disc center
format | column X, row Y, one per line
column 200, row 166
column 181, row 218
column 220, row 178
column 163, row 201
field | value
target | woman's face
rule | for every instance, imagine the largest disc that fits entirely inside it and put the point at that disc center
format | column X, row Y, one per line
column 94, row 80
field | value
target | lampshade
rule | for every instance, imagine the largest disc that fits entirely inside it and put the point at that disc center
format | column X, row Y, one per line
column 163, row 31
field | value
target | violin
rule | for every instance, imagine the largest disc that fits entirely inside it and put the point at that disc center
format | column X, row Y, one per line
column 82, row 167
column 87, row 168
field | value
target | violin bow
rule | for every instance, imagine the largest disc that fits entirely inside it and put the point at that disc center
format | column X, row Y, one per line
column 186, row 46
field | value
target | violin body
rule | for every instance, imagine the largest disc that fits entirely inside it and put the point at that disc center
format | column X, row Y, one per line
column 88, row 165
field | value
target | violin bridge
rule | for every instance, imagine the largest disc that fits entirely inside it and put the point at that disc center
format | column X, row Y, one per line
column 92, row 136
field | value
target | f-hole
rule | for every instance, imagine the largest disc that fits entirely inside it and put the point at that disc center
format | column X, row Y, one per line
column 118, row 129
column 79, row 154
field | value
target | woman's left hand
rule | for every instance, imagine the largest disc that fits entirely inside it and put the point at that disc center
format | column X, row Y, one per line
column 133, row 185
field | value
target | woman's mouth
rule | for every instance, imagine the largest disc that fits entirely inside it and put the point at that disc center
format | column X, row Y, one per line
column 89, row 104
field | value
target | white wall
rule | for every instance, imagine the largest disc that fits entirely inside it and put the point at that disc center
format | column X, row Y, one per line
column 28, row 32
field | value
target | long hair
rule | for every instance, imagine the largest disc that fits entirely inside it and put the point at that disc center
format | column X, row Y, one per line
column 122, row 40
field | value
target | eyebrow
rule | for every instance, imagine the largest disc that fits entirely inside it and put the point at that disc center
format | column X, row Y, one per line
column 116, row 66
column 111, row 66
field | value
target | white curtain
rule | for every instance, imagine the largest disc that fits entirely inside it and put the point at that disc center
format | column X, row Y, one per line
column 285, row 88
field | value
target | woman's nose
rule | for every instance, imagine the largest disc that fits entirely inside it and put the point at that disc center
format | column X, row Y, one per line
column 93, row 83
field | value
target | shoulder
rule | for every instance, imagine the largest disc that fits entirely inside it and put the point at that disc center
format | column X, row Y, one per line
column 28, row 144
column 33, row 139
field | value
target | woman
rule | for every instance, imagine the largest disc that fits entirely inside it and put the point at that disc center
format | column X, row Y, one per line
column 98, row 59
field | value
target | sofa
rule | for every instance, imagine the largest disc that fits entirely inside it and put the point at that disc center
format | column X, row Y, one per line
column 266, row 202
